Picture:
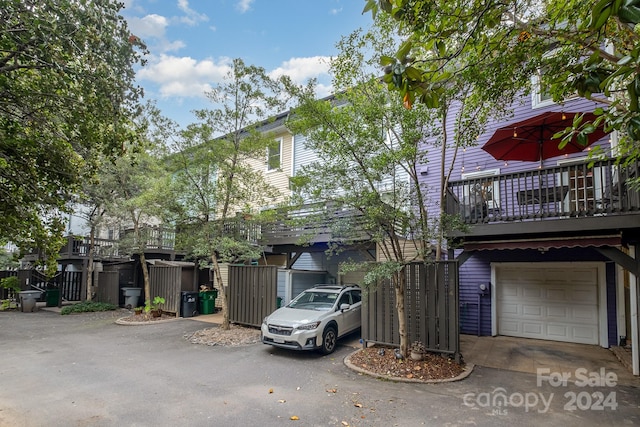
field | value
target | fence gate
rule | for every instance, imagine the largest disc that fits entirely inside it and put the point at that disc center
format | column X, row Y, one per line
column 251, row 293
column 431, row 308
column 108, row 287
column 69, row 283
column 166, row 282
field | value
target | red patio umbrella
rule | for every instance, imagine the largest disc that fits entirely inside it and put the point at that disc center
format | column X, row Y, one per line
column 530, row 140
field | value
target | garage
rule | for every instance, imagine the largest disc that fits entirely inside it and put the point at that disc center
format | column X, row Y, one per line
column 549, row 301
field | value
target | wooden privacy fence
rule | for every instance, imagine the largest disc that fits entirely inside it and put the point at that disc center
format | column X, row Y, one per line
column 70, row 283
column 431, row 308
column 251, row 293
column 108, row 287
column 166, row 282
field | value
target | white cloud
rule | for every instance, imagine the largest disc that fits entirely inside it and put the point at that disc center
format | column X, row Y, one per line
column 184, row 76
column 335, row 11
column 302, row 69
column 192, row 17
column 175, row 77
column 148, row 26
column 244, row 5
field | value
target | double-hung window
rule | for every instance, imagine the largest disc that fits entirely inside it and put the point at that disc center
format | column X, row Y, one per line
column 274, row 155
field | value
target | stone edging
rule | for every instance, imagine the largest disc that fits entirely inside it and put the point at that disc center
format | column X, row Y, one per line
column 467, row 371
column 154, row 322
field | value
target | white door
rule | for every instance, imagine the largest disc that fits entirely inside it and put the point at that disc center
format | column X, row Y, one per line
column 551, row 301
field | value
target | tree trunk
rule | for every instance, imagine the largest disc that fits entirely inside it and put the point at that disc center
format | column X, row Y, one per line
column 147, row 284
column 222, row 293
column 90, row 266
column 398, row 281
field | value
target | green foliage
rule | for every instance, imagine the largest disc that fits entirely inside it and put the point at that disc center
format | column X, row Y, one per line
column 214, row 165
column 588, row 48
column 153, row 305
column 8, row 260
column 67, row 83
column 87, row 306
column 11, row 282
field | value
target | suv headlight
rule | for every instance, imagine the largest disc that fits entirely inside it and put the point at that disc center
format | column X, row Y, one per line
column 309, row 326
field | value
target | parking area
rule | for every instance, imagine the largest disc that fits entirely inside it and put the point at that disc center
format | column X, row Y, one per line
column 86, row 370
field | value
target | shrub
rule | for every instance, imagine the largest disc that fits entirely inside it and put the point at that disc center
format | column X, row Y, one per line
column 87, row 306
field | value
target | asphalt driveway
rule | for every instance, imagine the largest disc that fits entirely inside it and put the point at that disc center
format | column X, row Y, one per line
column 85, row 370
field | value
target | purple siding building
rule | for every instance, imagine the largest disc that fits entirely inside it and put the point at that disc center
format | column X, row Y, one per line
column 549, row 252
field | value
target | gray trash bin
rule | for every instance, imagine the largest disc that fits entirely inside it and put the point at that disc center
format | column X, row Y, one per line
column 28, row 300
column 131, row 296
column 189, row 304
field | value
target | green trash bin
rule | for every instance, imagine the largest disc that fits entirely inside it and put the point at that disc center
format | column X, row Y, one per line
column 52, row 297
column 208, row 301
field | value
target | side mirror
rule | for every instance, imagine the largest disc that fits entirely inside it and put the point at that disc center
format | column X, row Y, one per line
column 344, row 307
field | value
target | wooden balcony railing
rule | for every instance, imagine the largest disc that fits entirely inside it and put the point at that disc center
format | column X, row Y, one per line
column 566, row 191
column 156, row 238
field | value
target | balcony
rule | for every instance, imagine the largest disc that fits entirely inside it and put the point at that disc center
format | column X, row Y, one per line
column 570, row 199
column 158, row 240
column 314, row 223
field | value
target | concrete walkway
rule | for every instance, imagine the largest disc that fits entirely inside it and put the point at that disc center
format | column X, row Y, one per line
column 529, row 355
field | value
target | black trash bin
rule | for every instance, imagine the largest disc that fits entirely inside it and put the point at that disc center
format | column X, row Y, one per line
column 189, row 304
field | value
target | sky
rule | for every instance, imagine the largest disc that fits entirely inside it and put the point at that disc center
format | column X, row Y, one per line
column 192, row 43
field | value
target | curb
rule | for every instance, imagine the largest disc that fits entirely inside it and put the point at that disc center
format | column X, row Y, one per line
column 467, row 371
column 153, row 322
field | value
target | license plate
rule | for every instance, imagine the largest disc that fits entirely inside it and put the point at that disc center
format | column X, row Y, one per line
column 278, row 340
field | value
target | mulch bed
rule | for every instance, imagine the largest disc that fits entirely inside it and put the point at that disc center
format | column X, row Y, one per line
column 146, row 317
column 382, row 361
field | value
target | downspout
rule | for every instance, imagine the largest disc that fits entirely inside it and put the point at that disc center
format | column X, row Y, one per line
column 633, row 296
column 479, row 311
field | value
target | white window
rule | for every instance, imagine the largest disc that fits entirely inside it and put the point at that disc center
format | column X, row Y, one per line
column 483, row 193
column 274, row 155
column 585, row 185
column 540, row 97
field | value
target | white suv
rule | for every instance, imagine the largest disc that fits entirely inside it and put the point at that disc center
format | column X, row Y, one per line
column 315, row 319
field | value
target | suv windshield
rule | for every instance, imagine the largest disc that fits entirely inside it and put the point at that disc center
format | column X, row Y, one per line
column 314, row 300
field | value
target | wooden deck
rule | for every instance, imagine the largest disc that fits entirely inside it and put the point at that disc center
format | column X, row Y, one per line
column 548, row 199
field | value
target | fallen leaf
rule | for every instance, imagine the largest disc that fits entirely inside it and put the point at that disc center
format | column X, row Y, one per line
column 281, row 401
column 409, row 376
column 358, row 405
column 294, row 418
column 332, row 390
column 298, row 388
column 270, row 390
column 344, row 423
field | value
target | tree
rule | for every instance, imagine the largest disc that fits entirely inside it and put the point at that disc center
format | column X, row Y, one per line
column 218, row 167
column 67, row 93
column 588, row 48
column 138, row 201
column 368, row 148
column 371, row 150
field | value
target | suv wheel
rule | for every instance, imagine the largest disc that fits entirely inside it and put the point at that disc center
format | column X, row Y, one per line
column 329, row 338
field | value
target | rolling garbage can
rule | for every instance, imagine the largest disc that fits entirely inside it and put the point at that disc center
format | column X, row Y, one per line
column 189, row 304
column 28, row 300
column 52, row 296
column 131, row 296
column 278, row 302
column 208, row 301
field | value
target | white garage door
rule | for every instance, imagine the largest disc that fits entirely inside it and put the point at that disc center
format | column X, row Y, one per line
column 548, row 302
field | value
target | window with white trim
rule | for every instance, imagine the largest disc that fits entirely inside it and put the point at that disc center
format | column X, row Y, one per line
column 540, row 97
column 483, row 192
column 274, row 155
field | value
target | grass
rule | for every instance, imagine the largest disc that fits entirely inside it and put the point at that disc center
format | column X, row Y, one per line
column 87, row 306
